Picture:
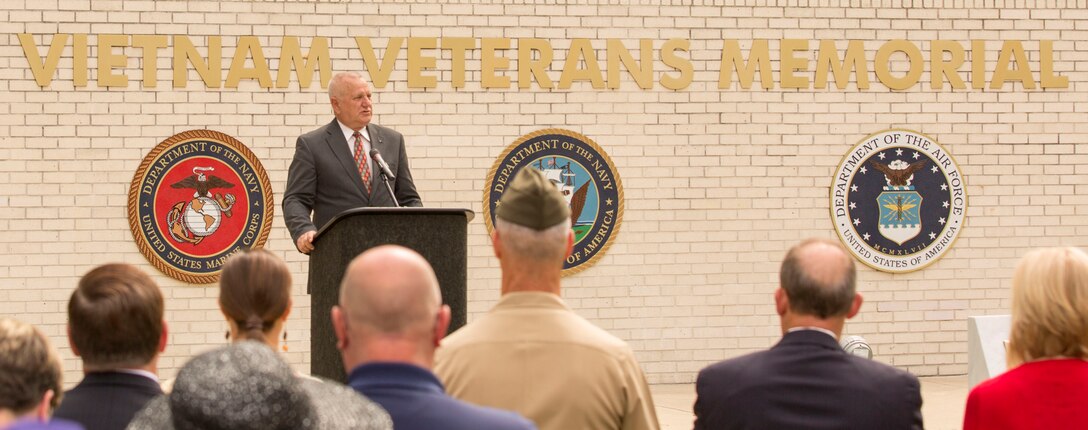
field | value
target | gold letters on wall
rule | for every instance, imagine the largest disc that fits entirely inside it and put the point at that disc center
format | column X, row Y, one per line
column 530, row 61
column 1012, row 65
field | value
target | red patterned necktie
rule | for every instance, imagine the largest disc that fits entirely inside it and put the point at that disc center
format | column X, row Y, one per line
column 361, row 161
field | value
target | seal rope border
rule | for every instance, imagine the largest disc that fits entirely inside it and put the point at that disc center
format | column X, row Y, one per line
column 831, row 199
column 608, row 159
column 133, row 199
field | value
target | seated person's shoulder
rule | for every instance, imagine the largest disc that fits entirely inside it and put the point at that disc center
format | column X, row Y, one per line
column 581, row 331
column 53, row 424
column 743, row 365
column 492, row 418
column 883, row 373
column 347, row 408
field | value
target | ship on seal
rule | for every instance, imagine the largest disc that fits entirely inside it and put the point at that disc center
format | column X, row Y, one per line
column 563, row 179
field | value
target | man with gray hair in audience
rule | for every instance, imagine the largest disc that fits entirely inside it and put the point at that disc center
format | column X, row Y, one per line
column 388, row 323
column 807, row 381
column 531, row 353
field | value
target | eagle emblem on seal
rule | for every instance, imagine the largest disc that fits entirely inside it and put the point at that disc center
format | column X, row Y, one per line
column 898, row 172
column 900, row 204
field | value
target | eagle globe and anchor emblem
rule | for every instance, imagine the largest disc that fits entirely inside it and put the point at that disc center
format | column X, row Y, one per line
column 192, row 221
column 182, row 217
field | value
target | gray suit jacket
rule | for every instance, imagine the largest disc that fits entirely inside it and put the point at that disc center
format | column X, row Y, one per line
column 323, row 178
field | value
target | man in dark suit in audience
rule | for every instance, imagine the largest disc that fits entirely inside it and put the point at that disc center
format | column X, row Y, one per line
column 807, row 381
column 115, row 324
column 389, row 321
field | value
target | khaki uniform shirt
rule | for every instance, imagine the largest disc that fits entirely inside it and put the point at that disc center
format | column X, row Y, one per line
column 533, row 355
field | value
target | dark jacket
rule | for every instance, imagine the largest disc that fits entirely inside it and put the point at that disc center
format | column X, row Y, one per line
column 416, row 400
column 806, row 381
column 107, row 400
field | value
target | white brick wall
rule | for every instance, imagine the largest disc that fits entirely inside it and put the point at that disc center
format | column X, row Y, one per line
column 719, row 183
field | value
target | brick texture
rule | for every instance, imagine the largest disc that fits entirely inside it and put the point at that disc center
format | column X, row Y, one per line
column 719, row 183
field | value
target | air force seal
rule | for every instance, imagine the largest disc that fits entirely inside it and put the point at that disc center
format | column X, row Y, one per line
column 898, row 201
column 582, row 172
column 198, row 197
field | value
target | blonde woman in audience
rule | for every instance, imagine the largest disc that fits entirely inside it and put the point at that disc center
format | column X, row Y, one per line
column 1046, row 386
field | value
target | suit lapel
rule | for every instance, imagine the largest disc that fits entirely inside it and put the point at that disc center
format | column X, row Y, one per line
column 377, row 140
column 339, row 147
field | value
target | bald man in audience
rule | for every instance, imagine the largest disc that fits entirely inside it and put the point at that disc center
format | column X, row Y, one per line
column 807, row 381
column 531, row 353
column 388, row 324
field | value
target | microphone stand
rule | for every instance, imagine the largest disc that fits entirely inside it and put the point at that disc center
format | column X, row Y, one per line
column 382, row 167
column 385, row 180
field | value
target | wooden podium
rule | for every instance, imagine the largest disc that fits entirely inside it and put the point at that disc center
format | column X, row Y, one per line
column 440, row 235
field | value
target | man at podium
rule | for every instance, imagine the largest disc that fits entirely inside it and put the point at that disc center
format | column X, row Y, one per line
column 340, row 166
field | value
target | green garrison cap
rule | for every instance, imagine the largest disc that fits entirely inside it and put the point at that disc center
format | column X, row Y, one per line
column 531, row 200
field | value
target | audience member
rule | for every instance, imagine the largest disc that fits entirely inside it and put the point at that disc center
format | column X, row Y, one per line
column 1046, row 385
column 246, row 386
column 115, row 324
column 807, row 381
column 30, row 378
column 531, row 353
column 255, row 297
column 389, row 321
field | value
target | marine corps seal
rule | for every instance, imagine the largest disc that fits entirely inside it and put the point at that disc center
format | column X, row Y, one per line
column 198, row 197
column 584, row 175
column 898, row 201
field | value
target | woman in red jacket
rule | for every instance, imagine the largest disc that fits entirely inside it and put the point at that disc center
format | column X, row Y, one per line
column 1046, row 386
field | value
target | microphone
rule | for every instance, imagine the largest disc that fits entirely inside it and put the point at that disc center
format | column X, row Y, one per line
column 377, row 156
column 387, row 175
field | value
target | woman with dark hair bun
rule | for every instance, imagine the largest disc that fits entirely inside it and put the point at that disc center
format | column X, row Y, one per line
column 255, row 297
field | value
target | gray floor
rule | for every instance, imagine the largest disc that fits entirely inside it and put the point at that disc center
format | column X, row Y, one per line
column 943, row 400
